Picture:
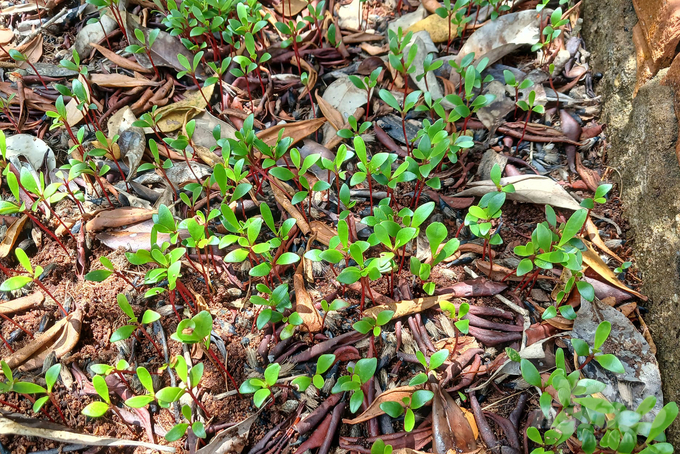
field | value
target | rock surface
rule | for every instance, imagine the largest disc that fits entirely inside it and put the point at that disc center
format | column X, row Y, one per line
column 642, row 133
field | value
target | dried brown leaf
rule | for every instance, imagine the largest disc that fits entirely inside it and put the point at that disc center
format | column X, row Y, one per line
column 118, row 218
column 121, row 61
column 593, row 260
column 289, row 207
column 175, row 115
column 311, row 319
column 120, row 81
column 297, row 130
column 12, row 236
column 21, row 304
column 332, row 114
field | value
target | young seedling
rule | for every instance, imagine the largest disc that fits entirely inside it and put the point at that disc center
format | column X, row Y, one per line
column 366, row 269
column 97, row 409
column 51, row 377
column 551, row 31
column 120, row 369
column 114, row 8
column 19, row 57
column 455, row 14
column 368, row 83
column 379, row 446
column 436, row 233
column 25, row 388
column 366, row 168
column 458, row 323
column 4, row 106
column 322, row 365
column 608, row 361
column 529, row 106
column 360, row 374
column 431, row 365
column 33, row 275
column 619, row 270
column 409, row 103
column 180, row 429
column 261, row 389
column 275, row 306
column 599, row 197
column 429, row 66
column 219, row 71
column 191, row 68
column 197, row 331
column 336, row 305
column 146, row 46
column 102, row 275
column 134, row 324
column 371, row 324
column 246, row 66
column 511, row 81
column 414, row 402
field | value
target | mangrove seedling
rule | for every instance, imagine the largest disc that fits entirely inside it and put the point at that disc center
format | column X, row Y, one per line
column 414, row 402
column 18, row 57
column 261, row 389
column 322, row 365
column 134, row 324
column 431, row 365
column 459, row 324
column 360, row 374
column 367, row 83
column 606, row 360
column 146, row 45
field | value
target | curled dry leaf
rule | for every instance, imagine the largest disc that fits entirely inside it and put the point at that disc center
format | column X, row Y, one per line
column 594, row 235
column 528, row 189
column 60, row 339
column 28, row 427
column 118, row 218
column 12, row 236
column 477, row 287
column 21, row 304
column 311, row 319
column 391, row 395
column 332, row 114
column 121, row 61
column 311, row 72
column 175, row 115
column 297, row 130
column 323, row 232
column 595, row 263
column 450, row 426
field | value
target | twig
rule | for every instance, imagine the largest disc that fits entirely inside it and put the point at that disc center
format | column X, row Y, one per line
column 42, row 26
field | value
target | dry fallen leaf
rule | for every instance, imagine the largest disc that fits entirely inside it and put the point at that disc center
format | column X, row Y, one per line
column 528, row 189
column 283, row 200
column 231, row 440
column 120, row 81
column 451, row 427
column 290, row 7
column 175, row 115
column 121, row 61
column 311, row 319
column 332, row 114
column 323, row 232
column 21, row 304
column 118, row 218
column 593, row 260
column 297, row 130
column 17, row 425
column 12, row 236
column 594, row 236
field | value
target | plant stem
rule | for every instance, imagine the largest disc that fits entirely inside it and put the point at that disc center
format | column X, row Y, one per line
column 54, row 402
column 46, row 230
column 37, row 73
column 223, row 367
column 524, row 130
column 151, row 339
column 40, row 284
column 195, row 399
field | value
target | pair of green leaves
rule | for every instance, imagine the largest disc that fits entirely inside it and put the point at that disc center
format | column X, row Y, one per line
column 261, row 389
column 406, row 407
column 362, row 371
column 433, row 363
column 20, row 281
column 126, row 331
column 322, row 365
column 368, row 324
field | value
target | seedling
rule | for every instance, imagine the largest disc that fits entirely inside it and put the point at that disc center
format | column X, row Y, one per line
column 367, row 83
column 436, row 233
column 261, row 389
column 366, row 269
column 19, row 57
column 511, row 81
column 529, row 106
column 623, row 267
column 322, row 365
column 366, row 168
column 146, row 46
column 608, row 361
column 4, row 106
column 190, row 68
column 599, row 197
column 51, row 377
column 197, row 331
column 33, row 275
column 457, row 316
column 359, row 375
column 276, row 303
column 455, row 14
column 120, row 369
column 379, row 447
column 125, row 331
column 551, row 31
column 114, row 8
column 370, row 324
column 431, row 365
column 428, row 66
column 398, row 42
column 102, row 275
column 409, row 103
column 97, row 409
column 414, row 402
column 336, row 305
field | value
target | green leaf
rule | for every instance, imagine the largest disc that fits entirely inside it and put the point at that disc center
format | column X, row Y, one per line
column 611, row 363
column 169, row 394
column 573, row 226
column 23, row 259
column 545, row 402
column 601, row 334
column 420, row 398
column 150, row 316
column 349, row 275
column 549, row 313
column 580, row 347
column 384, row 317
column 586, row 290
column 664, row 419
column 301, row 382
column 197, row 427
column 177, row 432
column 287, row 258
column 15, row 283
column 23, row 387
column 271, row 374
column 95, row 409
column 534, row 435
column 530, row 373
column 139, row 401
column 389, row 99
column 98, row 275
column 122, row 333
column 422, row 213
column 260, row 396
column 145, row 379
column 394, row 409
column 125, row 306
column 409, row 417
column 362, row 326
column 38, row 404
column 438, row 358
column 101, row 387
column 365, row 368
column 356, row 400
